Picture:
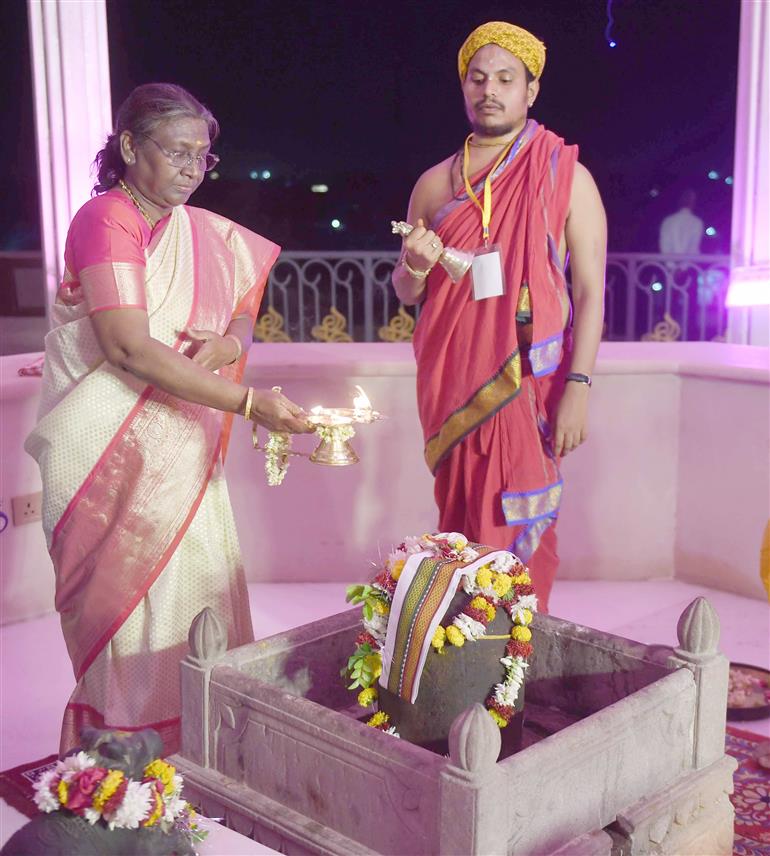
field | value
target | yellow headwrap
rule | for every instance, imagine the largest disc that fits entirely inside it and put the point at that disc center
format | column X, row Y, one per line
column 519, row 42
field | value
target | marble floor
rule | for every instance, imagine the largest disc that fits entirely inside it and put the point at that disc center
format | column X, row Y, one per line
column 36, row 677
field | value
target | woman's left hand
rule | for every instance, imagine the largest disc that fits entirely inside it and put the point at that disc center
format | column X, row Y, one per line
column 571, row 427
column 213, row 351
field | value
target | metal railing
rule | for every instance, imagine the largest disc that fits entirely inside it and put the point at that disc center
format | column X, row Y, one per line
column 313, row 292
column 645, row 290
column 347, row 296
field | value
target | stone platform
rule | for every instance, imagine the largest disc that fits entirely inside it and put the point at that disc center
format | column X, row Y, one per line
column 625, row 750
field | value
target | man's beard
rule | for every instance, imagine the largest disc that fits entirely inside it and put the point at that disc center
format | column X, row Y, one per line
column 491, row 130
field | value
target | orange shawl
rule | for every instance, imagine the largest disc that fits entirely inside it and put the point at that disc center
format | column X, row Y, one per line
column 468, row 359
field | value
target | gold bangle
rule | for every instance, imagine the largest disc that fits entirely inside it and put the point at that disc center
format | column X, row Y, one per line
column 416, row 274
column 237, row 345
column 247, row 408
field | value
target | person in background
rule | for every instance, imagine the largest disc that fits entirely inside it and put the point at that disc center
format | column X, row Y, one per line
column 682, row 232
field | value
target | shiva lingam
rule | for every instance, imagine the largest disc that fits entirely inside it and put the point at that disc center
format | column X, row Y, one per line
column 334, row 428
column 455, row 262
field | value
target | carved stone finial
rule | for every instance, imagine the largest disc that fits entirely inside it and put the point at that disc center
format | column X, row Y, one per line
column 474, row 740
column 698, row 630
column 207, row 637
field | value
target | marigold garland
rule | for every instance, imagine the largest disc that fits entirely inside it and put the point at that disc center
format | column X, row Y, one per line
column 503, row 582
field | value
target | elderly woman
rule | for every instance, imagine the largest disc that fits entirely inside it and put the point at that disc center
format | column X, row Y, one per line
column 152, row 324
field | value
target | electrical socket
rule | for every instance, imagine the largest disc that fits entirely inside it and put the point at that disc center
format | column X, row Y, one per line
column 27, row 508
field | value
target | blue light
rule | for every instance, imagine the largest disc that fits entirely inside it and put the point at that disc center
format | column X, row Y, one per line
column 253, row 175
column 266, row 174
column 711, row 231
column 657, row 286
column 613, row 44
column 336, row 224
column 713, row 175
column 729, row 179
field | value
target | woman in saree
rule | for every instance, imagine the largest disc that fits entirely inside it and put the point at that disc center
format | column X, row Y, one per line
column 142, row 378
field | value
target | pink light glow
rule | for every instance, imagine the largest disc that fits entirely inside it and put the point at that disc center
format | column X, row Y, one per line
column 749, row 287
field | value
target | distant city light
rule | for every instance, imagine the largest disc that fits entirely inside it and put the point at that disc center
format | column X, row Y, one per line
column 213, row 175
column 729, row 179
column 336, row 224
column 319, row 188
column 654, row 192
column 253, row 175
column 613, row 44
column 711, row 231
column 657, row 286
column 713, row 175
column 266, row 174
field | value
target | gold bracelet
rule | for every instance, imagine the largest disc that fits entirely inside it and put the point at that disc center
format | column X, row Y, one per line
column 247, row 408
column 416, row 274
column 237, row 345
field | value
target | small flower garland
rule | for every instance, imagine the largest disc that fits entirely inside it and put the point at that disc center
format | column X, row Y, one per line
column 502, row 583
column 335, row 433
column 277, row 457
column 79, row 785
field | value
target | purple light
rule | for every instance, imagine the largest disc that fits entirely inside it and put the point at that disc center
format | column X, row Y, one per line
column 613, row 44
column 749, row 287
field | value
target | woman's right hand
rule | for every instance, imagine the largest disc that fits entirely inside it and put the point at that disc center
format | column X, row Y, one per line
column 422, row 248
column 274, row 411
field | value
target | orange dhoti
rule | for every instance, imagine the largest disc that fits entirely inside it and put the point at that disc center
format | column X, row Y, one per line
column 487, row 401
column 473, row 485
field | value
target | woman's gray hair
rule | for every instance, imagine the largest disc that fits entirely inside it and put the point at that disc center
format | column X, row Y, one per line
column 144, row 109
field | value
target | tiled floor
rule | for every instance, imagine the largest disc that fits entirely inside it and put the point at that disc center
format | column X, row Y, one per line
column 36, row 677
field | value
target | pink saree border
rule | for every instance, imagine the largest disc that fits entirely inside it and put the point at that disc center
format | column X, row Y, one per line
column 157, row 570
column 110, row 454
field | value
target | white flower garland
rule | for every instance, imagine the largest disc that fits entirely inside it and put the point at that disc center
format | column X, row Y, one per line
column 335, row 433
column 277, row 457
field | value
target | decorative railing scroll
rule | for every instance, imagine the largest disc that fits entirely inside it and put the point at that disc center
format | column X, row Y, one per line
column 349, row 297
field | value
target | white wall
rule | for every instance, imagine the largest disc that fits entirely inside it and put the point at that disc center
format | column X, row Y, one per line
column 672, row 481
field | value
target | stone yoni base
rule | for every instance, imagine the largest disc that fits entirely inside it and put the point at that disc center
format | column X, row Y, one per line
column 631, row 759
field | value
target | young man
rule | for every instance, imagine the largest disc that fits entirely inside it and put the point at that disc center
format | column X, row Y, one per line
column 503, row 379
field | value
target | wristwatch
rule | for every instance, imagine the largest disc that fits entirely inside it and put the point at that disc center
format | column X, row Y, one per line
column 579, row 378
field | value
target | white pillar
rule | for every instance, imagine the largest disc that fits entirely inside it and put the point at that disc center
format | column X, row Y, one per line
column 73, row 114
column 749, row 295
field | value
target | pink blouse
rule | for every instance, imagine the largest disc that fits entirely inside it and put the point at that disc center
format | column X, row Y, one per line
column 104, row 254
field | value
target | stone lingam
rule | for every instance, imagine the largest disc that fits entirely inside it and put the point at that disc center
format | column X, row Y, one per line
column 623, row 749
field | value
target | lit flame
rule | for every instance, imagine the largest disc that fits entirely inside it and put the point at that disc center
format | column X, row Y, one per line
column 361, row 401
column 317, row 409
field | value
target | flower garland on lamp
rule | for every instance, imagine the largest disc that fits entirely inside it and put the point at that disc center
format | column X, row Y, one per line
column 502, row 583
column 277, row 450
column 79, row 785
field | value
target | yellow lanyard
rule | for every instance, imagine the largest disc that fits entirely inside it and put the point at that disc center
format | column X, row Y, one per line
column 486, row 208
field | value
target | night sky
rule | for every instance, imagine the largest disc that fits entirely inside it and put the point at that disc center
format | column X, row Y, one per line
column 364, row 96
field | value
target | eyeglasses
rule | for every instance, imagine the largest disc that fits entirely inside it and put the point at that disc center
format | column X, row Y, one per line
column 180, row 160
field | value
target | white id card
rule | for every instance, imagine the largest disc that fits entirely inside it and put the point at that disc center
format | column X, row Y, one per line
column 487, row 273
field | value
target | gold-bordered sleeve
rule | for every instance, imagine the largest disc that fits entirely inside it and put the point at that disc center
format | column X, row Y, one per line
column 113, row 285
